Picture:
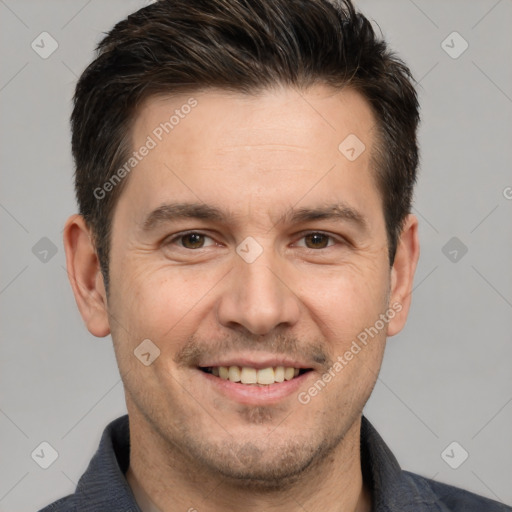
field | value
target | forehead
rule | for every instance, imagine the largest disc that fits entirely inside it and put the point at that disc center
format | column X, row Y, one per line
column 268, row 148
column 280, row 116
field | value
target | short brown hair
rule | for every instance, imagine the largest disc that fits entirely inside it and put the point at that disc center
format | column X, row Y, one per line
column 178, row 46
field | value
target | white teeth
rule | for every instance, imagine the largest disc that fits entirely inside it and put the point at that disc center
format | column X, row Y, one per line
column 266, row 376
column 234, row 374
column 247, row 375
column 279, row 374
column 289, row 373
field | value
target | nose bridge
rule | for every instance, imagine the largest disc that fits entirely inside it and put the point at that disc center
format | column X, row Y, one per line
column 257, row 297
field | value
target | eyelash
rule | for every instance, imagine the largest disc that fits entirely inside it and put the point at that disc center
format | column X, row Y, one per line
column 183, row 234
column 304, row 234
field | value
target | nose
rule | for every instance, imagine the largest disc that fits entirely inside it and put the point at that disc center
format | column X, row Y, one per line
column 257, row 297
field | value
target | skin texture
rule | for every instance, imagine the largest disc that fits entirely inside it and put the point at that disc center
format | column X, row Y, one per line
column 256, row 158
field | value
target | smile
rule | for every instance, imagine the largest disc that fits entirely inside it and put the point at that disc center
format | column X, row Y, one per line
column 254, row 376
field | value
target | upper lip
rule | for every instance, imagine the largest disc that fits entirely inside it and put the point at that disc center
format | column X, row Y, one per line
column 256, row 362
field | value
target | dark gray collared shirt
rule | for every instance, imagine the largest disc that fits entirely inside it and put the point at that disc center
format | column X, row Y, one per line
column 103, row 486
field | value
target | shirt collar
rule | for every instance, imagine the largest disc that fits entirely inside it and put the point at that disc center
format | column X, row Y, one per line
column 393, row 490
column 103, row 486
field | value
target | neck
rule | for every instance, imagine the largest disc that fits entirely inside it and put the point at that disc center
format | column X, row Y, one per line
column 163, row 480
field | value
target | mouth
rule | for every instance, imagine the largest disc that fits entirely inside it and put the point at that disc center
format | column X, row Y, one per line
column 255, row 376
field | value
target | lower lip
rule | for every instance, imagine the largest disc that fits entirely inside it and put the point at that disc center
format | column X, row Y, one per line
column 257, row 394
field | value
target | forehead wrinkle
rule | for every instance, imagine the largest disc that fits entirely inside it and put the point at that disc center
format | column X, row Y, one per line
column 269, row 146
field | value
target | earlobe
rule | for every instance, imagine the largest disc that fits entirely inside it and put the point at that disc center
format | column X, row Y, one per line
column 402, row 274
column 85, row 276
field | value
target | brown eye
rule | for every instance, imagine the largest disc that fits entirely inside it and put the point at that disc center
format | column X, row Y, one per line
column 193, row 240
column 317, row 241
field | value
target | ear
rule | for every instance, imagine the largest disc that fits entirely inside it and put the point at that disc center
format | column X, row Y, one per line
column 85, row 276
column 402, row 274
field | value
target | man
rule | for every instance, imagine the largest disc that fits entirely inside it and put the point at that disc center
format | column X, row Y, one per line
column 244, row 173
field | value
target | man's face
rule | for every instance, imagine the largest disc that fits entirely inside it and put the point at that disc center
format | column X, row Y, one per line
column 262, row 283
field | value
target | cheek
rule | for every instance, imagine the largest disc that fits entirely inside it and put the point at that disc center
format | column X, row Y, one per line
column 346, row 299
column 156, row 301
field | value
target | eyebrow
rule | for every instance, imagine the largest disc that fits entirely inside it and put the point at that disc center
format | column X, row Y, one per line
column 175, row 211
column 340, row 212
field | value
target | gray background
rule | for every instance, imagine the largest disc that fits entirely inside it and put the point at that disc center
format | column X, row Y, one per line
column 447, row 377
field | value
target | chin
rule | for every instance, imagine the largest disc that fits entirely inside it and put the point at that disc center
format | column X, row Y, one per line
column 263, row 468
